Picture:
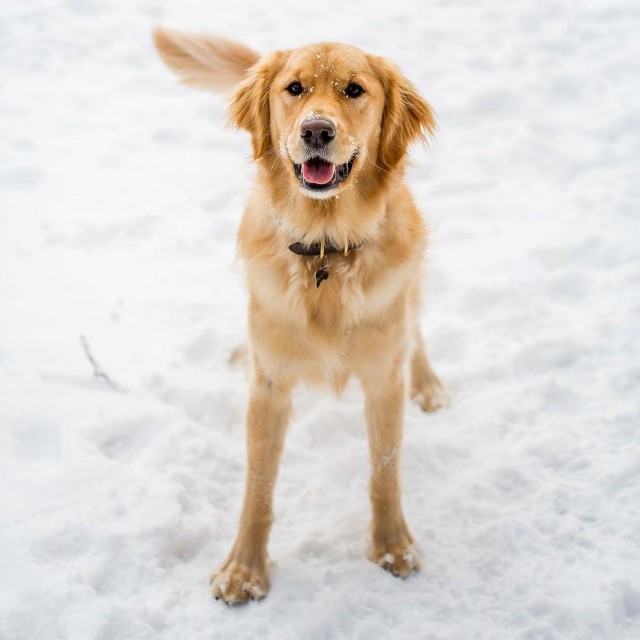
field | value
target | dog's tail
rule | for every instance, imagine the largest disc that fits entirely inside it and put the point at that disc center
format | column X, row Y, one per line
column 205, row 62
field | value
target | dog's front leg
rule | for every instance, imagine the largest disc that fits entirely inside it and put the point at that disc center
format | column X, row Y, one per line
column 392, row 544
column 244, row 574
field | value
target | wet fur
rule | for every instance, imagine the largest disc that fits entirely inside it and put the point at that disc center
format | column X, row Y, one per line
column 363, row 321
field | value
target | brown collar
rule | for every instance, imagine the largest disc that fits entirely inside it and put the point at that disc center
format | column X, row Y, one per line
column 320, row 249
column 302, row 249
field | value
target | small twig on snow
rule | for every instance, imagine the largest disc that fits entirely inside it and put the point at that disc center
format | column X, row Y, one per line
column 97, row 369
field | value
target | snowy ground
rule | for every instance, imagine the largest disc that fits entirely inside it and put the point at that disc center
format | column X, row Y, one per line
column 120, row 193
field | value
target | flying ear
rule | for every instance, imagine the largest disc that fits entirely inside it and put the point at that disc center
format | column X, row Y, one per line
column 249, row 108
column 407, row 117
column 206, row 62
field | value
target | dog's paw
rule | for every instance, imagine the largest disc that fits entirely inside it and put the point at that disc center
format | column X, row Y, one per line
column 237, row 583
column 430, row 395
column 401, row 560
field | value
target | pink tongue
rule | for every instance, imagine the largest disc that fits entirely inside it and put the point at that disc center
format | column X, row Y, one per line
column 318, row 172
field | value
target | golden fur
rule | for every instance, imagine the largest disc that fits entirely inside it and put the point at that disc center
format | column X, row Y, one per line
column 363, row 320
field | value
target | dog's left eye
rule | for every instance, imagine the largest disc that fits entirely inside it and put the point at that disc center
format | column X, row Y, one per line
column 295, row 89
column 354, row 90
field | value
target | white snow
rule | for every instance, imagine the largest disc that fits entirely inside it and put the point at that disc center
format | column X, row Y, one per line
column 120, row 194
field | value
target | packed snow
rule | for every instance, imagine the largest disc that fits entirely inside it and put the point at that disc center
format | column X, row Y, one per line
column 121, row 479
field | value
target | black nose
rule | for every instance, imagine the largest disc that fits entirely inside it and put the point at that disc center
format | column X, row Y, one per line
column 318, row 132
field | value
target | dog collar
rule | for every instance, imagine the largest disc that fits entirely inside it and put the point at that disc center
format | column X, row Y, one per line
column 319, row 249
column 316, row 248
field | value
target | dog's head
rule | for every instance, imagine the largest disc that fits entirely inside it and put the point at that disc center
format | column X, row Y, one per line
column 323, row 114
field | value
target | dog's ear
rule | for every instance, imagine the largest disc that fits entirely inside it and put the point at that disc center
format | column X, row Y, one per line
column 407, row 116
column 249, row 108
column 205, row 62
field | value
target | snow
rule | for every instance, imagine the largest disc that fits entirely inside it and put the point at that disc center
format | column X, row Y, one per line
column 120, row 194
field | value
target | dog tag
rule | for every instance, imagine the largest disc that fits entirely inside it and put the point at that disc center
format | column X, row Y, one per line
column 321, row 274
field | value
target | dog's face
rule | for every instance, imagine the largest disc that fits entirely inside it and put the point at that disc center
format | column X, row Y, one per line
column 329, row 112
column 326, row 106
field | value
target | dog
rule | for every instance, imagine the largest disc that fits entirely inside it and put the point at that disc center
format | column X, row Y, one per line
column 333, row 246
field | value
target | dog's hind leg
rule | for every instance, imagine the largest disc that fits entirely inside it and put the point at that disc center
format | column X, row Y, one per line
column 425, row 387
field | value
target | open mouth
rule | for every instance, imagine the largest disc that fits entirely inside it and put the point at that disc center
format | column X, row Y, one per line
column 319, row 175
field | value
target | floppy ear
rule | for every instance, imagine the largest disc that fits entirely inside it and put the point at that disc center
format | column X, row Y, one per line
column 407, row 117
column 206, row 62
column 249, row 108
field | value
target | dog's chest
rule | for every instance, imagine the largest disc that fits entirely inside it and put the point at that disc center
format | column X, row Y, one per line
column 332, row 296
column 326, row 293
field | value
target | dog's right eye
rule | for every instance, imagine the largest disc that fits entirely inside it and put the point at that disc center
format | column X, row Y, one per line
column 295, row 89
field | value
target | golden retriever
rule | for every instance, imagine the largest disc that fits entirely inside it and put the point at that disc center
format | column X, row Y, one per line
column 333, row 245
